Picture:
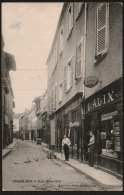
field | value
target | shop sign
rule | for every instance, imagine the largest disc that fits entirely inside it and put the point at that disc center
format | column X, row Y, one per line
column 102, row 100
column 91, row 81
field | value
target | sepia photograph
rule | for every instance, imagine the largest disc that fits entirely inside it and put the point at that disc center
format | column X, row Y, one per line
column 62, row 96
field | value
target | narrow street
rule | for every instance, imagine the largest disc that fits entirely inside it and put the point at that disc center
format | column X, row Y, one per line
column 28, row 169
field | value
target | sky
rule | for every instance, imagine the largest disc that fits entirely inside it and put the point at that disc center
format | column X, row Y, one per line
column 28, row 30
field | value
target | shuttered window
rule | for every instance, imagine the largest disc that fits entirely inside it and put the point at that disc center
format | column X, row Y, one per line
column 68, row 75
column 69, row 20
column 77, row 9
column 55, row 97
column 80, row 58
column 65, row 79
column 102, row 17
column 60, row 92
column 61, row 40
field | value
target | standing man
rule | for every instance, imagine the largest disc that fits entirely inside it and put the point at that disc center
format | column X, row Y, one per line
column 91, row 147
column 66, row 144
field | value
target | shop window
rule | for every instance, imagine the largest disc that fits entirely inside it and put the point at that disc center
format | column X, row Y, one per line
column 74, row 116
column 75, row 137
column 107, row 136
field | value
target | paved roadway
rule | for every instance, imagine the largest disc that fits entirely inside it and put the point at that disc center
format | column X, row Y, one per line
column 28, row 169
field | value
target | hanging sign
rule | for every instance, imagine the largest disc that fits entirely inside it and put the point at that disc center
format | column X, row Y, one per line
column 75, row 124
column 91, row 81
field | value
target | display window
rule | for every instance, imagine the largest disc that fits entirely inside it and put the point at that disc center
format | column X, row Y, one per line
column 107, row 135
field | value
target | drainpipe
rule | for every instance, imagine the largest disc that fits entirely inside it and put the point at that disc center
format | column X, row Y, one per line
column 84, row 75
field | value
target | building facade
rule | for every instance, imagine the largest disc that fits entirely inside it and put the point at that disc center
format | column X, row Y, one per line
column 102, row 105
column 8, row 63
column 41, row 113
column 85, row 82
column 66, row 63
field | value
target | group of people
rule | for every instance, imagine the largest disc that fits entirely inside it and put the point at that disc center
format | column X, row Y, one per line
column 66, row 143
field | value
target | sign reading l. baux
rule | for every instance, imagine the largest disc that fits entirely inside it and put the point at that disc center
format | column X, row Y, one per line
column 91, row 81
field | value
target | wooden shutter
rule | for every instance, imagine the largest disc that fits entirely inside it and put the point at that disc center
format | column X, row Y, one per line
column 83, row 55
column 55, row 96
column 101, row 25
column 71, row 71
column 67, row 25
column 65, row 79
column 56, row 53
column 80, row 5
column 76, row 63
column 72, row 15
column 75, row 9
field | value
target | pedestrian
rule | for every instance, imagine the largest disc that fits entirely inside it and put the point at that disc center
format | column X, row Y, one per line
column 66, row 144
column 91, row 149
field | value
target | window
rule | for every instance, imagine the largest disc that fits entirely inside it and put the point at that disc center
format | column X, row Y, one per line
column 80, row 58
column 55, row 98
column 102, row 20
column 108, row 134
column 61, row 41
column 52, row 102
column 60, row 92
column 68, row 74
column 77, row 8
column 69, row 22
column 55, row 55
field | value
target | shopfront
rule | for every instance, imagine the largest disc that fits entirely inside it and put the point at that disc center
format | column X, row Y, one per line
column 103, row 114
column 72, row 129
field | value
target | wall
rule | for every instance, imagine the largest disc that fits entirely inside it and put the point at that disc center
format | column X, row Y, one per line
column 110, row 68
column 69, row 49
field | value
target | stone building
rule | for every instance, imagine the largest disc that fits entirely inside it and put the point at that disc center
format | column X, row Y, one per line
column 8, row 64
column 85, row 82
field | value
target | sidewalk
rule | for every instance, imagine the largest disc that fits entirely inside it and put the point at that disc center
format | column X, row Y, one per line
column 99, row 177
column 6, row 151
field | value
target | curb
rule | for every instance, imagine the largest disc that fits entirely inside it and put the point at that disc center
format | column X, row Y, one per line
column 104, row 186
column 5, row 155
column 10, row 150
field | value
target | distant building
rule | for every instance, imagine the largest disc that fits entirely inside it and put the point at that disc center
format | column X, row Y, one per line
column 28, row 124
column 16, row 126
column 41, row 113
column 8, row 63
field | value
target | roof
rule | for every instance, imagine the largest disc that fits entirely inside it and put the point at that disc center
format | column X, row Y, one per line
column 37, row 98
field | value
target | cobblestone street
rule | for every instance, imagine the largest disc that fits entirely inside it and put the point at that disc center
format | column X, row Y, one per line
column 28, row 169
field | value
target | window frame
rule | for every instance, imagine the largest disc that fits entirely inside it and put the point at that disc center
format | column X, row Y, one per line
column 60, row 87
column 61, row 41
column 69, row 30
column 99, row 56
column 69, row 65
